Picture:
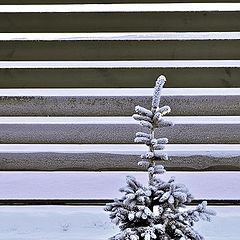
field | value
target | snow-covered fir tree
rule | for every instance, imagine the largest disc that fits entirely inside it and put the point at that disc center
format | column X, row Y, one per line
column 155, row 211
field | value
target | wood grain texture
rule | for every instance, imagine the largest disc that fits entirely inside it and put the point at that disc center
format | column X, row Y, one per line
column 117, row 102
column 102, row 50
column 212, row 77
column 116, row 130
column 120, row 22
column 103, row 157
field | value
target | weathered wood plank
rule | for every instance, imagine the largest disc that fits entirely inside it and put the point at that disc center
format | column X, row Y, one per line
column 115, row 130
column 117, row 102
column 116, row 157
column 84, row 50
column 215, row 21
column 50, row 74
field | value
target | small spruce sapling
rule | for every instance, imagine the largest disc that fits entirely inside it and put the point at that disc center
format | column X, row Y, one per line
column 156, row 211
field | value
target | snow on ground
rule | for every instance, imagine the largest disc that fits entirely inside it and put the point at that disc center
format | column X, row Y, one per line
column 92, row 223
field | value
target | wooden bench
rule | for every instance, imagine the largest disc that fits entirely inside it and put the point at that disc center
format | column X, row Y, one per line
column 71, row 74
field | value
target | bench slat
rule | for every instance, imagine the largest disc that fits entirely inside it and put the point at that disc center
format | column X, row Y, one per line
column 94, row 74
column 216, row 21
column 95, row 130
column 116, row 157
column 117, row 102
column 86, row 50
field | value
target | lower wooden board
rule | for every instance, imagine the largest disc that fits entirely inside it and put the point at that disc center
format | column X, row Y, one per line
column 103, row 157
column 117, row 102
column 89, row 186
column 192, row 21
column 91, row 223
column 70, row 49
column 116, row 130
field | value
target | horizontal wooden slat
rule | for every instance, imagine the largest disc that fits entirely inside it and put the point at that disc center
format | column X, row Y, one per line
column 165, row 46
column 91, row 223
column 116, row 157
column 99, row 186
column 187, row 21
column 49, row 74
column 207, row 129
column 117, row 102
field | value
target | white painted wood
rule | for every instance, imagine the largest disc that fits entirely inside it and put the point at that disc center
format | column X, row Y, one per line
column 160, row 7
column 163, row 36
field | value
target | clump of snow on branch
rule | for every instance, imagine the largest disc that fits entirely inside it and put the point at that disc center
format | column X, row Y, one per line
column 156, row 211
